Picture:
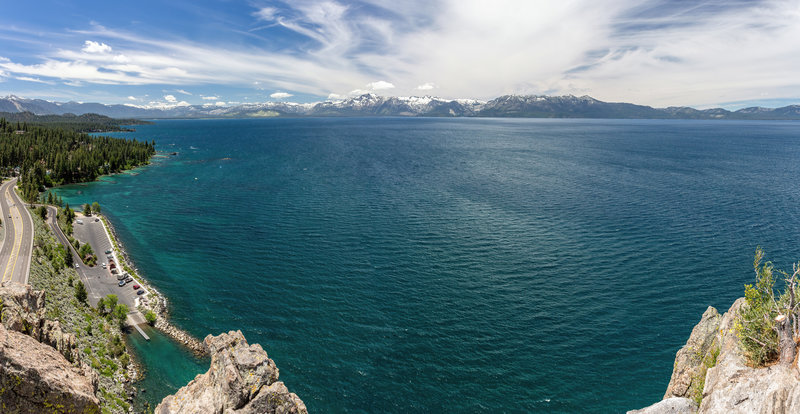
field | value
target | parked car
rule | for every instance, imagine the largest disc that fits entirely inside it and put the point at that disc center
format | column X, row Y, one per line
column 104, row 265
column 79, row 221
column 140, row 292
column 76, row 266
column 136, row 287
column 108, row 251
column 128, row 279
column 121, row 283
column 121, row 277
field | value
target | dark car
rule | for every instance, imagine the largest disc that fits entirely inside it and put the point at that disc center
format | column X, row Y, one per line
column 136, row 287
column 140, row 292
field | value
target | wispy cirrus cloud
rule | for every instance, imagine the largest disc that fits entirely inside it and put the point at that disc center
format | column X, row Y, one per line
column 37, row 80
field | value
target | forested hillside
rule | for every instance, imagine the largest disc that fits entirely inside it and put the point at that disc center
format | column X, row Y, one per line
column 79, row 123
column 49, row 156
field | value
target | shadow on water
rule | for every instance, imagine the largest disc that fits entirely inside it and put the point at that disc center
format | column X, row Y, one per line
column 166, row 366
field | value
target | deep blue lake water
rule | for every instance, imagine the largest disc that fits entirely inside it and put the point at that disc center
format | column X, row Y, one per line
column 455, row 265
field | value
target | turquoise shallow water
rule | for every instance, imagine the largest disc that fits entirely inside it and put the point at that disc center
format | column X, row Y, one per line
column 466, row 265
column 166, row 366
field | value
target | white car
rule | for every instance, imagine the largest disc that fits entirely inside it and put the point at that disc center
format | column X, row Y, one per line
column 76, row 266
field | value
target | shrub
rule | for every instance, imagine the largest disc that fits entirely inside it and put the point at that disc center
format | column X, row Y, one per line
column 150, row 317
column 80, row 292
column 767, row 322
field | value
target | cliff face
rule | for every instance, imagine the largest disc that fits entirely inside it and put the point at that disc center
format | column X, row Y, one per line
column 22, row 310
column 36, row 374
column 242, row 379
column 711, row 369
column 35, row 378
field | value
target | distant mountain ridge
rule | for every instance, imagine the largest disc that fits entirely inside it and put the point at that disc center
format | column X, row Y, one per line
column 517, row 106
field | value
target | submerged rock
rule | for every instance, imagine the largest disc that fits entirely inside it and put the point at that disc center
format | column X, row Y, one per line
column 242, row 379
column 35, row 378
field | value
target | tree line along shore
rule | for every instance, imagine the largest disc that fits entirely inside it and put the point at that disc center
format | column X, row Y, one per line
column 49, row 154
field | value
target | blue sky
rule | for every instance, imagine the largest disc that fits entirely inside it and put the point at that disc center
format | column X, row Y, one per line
column 166, row 53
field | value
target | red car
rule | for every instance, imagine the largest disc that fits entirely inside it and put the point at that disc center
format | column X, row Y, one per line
column 136, row 287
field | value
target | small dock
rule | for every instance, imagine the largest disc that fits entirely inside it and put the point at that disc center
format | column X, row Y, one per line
column 135, row 319
column 147, row 338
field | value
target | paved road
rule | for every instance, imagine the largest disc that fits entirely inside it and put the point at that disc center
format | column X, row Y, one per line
column 99, row 282
column 15, row 254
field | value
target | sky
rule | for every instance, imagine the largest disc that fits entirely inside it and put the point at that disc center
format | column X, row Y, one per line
column 147, row 53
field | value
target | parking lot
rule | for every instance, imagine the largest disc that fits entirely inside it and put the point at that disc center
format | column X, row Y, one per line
column 102, row 282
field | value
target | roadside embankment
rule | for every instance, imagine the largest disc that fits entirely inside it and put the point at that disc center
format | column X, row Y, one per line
column 88, row 339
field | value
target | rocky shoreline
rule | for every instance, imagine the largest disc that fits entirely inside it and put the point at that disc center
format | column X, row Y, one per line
column 156, row 301
column 241, row 375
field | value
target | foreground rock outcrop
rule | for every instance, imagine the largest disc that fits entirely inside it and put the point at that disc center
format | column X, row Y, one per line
column 242, row 379
column 712, row 369
column 35, row 378
column 40, row 370
column 671, row 405
column 22, row 310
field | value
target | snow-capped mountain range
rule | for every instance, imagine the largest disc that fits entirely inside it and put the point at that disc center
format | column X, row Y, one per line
column 529, row 106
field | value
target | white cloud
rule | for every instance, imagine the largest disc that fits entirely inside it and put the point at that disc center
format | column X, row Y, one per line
column 132, row 98
column 183, row 92
column 379, row 86
column 426, row 86
column 170, row 98
column 280, row 95
column 210, row 98
column 334, row 97
column 95, row 47
column 267, row 14
column 36, row 80
column 220, row 103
